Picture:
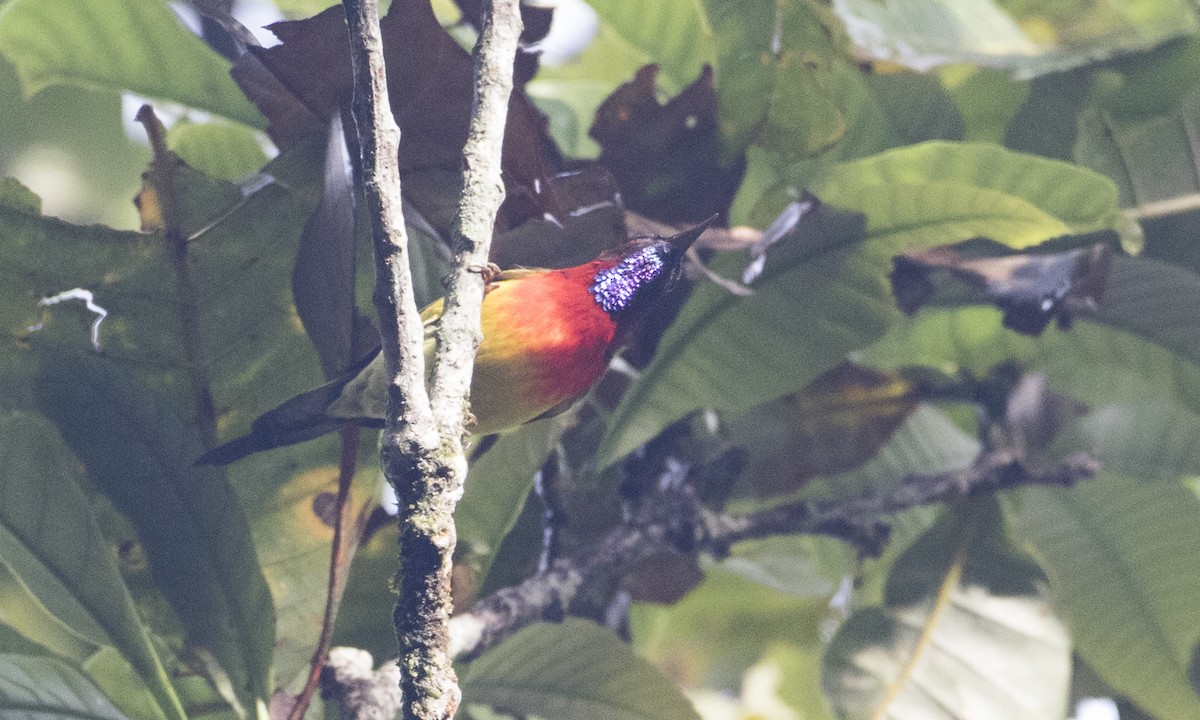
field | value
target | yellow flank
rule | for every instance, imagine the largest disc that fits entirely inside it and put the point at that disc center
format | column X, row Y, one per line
column 534, row 356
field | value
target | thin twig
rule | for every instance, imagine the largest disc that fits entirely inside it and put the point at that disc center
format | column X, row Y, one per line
column 162, row 178
column 857, row 520
column 347, row 530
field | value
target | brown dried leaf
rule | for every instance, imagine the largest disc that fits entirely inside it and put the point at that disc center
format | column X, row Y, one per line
column 430, row 86
column 1031, row 289
column 835, row 424
column 666, row 158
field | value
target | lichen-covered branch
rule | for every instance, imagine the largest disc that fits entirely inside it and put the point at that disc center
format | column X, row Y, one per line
column 360, row 692
column 421, row 446
column 675, row 519
column 459, row 331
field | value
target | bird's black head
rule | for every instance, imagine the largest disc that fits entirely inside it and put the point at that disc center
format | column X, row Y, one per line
column 646, row 268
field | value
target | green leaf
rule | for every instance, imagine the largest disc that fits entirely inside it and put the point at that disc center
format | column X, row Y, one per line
column 253, row 352
column 42, row 688
column 667, row 32
column 16, row 196
column 497, row 487
column 222, row 150
column 774, row 65
column 572, row 671
column 119, row 45
column 1148, row 441
column 1120, row 554
column 1151, row 159
column 1027, row 39
column 51, row 542
column 21, row 610
column 825, row 292
column 1061, row 195
column 966, row 631
column 187, row 518
column 723, row 627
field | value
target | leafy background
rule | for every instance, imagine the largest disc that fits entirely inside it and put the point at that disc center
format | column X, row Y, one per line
column 133, row 585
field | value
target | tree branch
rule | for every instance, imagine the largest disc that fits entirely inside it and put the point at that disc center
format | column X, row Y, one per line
column 674, row 519
column 459, row 331
column 360, row 691
column 421, row 446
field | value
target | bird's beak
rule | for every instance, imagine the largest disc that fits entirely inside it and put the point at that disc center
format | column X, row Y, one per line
column 681, row 242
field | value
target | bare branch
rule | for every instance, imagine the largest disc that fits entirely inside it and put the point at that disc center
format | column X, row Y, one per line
column 360, row 691
column 858, row 520
column 421, row 447
column 409, row 444
column 459, row 331
column 674, row 519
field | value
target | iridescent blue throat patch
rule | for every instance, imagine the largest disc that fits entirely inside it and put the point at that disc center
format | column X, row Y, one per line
column 616, row 288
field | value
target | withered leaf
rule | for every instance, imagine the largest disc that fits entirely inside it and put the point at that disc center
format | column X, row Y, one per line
column 430, row 87
column 833, row 425
column 1030, row 288
column 666, row 158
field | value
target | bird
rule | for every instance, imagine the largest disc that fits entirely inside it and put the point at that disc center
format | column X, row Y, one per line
column 548, row 336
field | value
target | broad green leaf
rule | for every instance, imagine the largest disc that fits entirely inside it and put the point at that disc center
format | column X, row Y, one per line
column 1147, row 441
column 1151, row 159
column 774, row 65
column 724, row 626
column 497, row 486
column 825, row 292
column 240, row 270
column 119, row 45
column 1026, row 39
column 573, row 670
column 1065, row 195
column 987, row 100
column 966, row 631
column 255, row 356
column 676, row 34
column 222, row 150
column 281, row 491
column 1119, row 552
column 42, row 688
column 187, row 518
column 49, row 539
column 24, row 613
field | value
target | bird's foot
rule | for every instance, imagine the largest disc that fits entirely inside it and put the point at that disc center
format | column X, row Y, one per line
column 490, row 272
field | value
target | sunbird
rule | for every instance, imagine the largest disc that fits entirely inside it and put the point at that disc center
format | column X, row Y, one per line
column 548, row 336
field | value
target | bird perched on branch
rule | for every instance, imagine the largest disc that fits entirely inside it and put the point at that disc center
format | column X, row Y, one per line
column 548, row 336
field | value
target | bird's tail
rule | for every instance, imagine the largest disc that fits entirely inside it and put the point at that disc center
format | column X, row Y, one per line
column 301, row 418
